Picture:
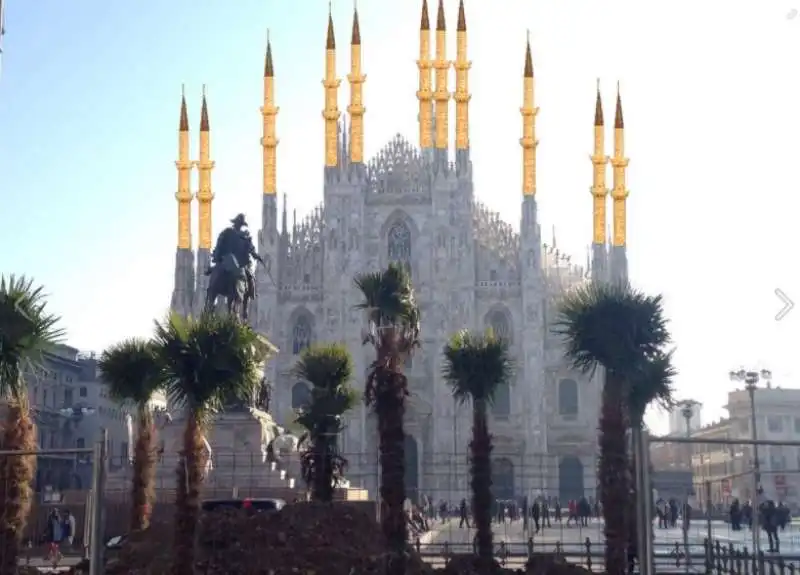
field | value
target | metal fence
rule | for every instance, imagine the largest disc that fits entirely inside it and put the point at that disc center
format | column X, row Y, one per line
column 741, row 493
column 57, row 515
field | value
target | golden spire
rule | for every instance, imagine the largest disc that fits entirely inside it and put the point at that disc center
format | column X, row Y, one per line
column 331, row 112
column 619, row 163
column 356, row 108
column 204, row 167
column 269, row 140
column 184, row 193
column 462, row 96
column 442, row 66
column 425, row 94
column 528, row 140
column 599, row 163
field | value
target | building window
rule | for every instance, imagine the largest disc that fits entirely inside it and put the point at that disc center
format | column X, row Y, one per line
column 501, row 407
column 568, row 398
column 126, row 457
column 44, row 397
column 399, row 244
column 797, row 424
column 498, row 321
column 774, row 424
column 301, row 334
column 80, row 443
column 83, row 392
column 301, row 395
column 68, row 400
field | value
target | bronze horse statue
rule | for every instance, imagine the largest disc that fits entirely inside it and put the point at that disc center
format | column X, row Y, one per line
column 227, row 280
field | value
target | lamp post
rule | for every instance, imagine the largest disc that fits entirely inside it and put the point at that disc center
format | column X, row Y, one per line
column 751, row 379
column 687, row 411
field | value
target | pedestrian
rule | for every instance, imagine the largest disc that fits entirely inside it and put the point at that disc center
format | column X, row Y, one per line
column 68, row 528
column 53, row 535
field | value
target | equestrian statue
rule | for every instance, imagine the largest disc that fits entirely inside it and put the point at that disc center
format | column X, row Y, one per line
column 231, row 275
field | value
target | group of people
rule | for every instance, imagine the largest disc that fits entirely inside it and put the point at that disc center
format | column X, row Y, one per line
column 541, row 511
column 772, row 518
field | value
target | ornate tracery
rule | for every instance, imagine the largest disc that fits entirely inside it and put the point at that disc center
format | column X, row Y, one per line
column 398, row 242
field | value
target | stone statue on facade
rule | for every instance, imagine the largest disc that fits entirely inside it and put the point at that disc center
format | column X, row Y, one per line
column 231, row 275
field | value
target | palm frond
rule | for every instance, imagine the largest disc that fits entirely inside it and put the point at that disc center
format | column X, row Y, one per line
column 27, row 329
column 208, row 360
column 132, row 371
column 652, row 382
column 329, row 369
column 475, row 365
column 610, row 325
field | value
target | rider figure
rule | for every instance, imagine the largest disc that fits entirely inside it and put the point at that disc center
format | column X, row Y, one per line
column 236, row 240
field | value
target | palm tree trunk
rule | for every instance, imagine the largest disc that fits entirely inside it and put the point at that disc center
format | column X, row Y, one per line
column 481, row 470
column 16, row 478
column 390, row 409
column 187, row 500
column 322, row 489
column 144, row 469
column 614, row 474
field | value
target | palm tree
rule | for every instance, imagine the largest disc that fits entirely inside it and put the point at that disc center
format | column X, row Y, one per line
column 474, row 367
column 133, row 373
column 328, row 368
column 27, row 329
column 393, row 330
column 205, row 361
column 617, row 328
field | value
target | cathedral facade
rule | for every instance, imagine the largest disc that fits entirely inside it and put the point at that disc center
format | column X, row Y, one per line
column 415, row 204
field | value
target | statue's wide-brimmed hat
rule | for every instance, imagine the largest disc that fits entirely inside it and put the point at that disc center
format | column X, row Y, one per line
column 239, row 220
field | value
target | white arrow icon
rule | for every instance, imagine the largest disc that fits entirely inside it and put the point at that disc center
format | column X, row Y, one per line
column 788, row 304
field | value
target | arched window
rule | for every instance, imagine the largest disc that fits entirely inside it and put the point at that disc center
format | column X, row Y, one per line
column 501, row 326
column 501, row 407
column 399, row 243
column 301, row 395
column 301, row 334
column 498, row 321
column 568, row 398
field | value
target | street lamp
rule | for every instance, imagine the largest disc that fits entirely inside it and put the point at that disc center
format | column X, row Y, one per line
column 751, row 379
column 687, row 411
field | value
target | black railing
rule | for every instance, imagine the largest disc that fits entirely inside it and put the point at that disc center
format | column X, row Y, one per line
column 714, row 558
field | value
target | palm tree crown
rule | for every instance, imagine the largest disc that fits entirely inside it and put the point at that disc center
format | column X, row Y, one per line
column 611, row 325
column 26, row 330
column 329, row 369
column 132, row 371
column 476, row 364
column 207, row 360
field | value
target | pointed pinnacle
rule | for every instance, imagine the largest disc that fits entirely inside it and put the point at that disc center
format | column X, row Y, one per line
column 598, row 107
column 269, row 70
column 425, row 24
column 356, row 38
column 184, row 123
column 462, row 18
column 440, row 23
column 528, row 58
column 204, row 126
column 619, row 123
column 331, row 43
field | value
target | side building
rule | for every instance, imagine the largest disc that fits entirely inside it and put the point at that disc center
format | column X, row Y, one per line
column 71, row 407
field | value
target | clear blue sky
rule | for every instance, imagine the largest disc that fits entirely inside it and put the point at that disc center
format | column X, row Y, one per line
column 89, row 98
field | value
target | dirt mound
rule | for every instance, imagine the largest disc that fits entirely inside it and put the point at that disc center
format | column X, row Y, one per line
column 301, row 538
column 148, row 551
